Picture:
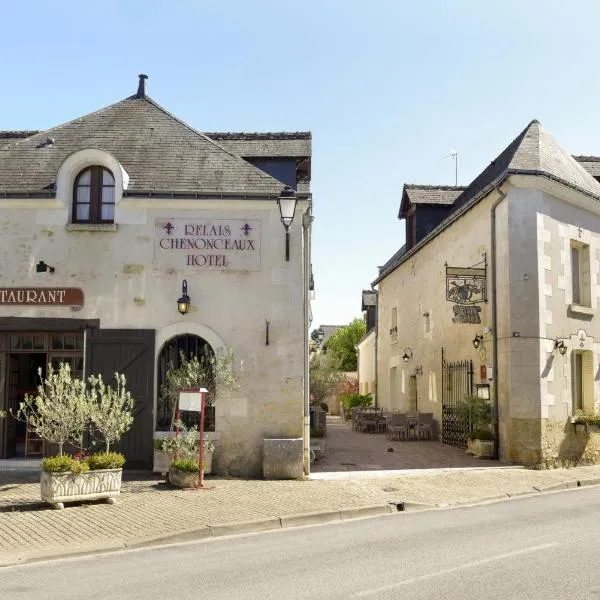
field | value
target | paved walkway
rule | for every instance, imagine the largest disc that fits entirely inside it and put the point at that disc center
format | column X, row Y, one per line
column 348, row 450
column 149, row 511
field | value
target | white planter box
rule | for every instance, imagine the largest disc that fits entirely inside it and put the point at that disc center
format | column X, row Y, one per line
column 481, row 448
column 57, row 488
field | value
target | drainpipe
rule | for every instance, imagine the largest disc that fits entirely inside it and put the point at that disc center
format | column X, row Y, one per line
column 495, row 321
column 307, row 219
column 376, row 344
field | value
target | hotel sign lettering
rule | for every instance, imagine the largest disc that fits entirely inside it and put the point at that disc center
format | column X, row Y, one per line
column 42, row 296
column 208, row 244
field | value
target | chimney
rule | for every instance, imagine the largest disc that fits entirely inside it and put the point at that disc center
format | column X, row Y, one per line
column 141, row 93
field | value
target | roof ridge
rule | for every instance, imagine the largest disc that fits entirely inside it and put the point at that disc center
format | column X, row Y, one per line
column 424, row 186
column 203, row 136
column 259, row 135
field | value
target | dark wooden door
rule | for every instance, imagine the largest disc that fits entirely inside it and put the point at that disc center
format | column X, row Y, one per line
column 9, row 380
column 131, row 352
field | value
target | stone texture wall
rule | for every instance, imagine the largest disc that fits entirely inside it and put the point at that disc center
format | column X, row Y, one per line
column 124, row 287
column 567, row 445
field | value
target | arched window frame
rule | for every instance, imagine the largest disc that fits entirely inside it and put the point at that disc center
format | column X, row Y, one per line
column 101, row 205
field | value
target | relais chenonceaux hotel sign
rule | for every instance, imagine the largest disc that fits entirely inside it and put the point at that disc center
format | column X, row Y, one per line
column 208, row 244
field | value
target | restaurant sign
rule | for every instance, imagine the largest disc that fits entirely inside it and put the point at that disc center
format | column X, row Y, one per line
column 208, row 244
column 42, row 296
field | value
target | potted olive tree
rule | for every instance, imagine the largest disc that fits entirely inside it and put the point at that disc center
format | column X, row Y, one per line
column 61, row 412
column 213, row 372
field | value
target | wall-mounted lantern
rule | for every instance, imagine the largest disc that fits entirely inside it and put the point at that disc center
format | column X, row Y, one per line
column 407, row 355
column 183, row 304
column 477, row 341
column 287, row 208
column 560, row 346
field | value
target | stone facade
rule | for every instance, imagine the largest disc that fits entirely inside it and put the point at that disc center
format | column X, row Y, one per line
column 253, row 302
column 542, row 305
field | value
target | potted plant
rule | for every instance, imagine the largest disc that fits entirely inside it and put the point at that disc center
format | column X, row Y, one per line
column 61, row 411
column 186, row 446
column 584, row 422
column 183, row 473
column 480, row 439
column 213, row 372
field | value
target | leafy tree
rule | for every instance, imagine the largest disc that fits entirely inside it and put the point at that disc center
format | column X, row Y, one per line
column 341, row 346
column 111, row 410
column 324, row 380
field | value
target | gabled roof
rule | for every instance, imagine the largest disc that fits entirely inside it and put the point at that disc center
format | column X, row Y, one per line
column 159, row 152
column 443, row 195
column 533, row 152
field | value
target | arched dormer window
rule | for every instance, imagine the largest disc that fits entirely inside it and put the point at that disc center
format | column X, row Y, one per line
column 94, row 196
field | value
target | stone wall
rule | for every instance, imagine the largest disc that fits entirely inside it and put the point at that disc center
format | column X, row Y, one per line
column 567, row 445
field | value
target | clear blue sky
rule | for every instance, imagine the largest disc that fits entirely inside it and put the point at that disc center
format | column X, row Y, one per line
column 388, row 88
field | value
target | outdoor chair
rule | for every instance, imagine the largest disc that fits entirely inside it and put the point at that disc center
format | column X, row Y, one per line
column 397, row 427
column 426, row 425
column 413, row 423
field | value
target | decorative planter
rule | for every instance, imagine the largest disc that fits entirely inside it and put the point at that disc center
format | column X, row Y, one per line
column 162, row 460
column 481, row 448
column 183, row 479
column 58, row 488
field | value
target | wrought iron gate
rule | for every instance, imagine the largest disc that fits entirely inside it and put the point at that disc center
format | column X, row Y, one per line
column 457, row 382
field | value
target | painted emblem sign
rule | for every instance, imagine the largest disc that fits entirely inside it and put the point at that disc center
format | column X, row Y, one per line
column 208, row 244
column 466, row 286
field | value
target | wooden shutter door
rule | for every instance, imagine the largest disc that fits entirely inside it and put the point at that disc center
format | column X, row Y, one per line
column 131, row 352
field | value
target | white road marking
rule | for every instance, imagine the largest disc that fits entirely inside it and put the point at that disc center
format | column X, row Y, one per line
column 470, row 565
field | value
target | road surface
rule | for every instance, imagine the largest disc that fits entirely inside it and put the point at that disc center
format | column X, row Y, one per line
column 544, row 547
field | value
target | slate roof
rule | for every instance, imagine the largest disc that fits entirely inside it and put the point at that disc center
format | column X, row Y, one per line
column 259, row 145
column 432, row 194
column 533, row 152
column 160, row 153
column 590, row 163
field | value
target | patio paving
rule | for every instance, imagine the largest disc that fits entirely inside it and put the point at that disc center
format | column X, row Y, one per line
column 349, row 450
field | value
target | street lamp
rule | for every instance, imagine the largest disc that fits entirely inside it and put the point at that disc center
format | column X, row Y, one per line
column 560, row 346
column 477, row 340
column 287, row 207
column 407, row 355
column 183, row 304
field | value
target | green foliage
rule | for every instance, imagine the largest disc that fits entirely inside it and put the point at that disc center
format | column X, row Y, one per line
column 478, row 413
column 582, row 419
column 59, row 412
column 213, row 372
column 353, row 400
column 187, row 465
column 324, row 381
column 58, row 464
column 106, row 460
column 341, row 346
column 187, row 445
column 111, row 410
column 481, row 434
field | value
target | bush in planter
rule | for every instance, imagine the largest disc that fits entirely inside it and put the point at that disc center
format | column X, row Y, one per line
column 351, row 401
column 106, row 460
column 583, row 419
column 187, row 465
column 187, row 445
column 481, row 434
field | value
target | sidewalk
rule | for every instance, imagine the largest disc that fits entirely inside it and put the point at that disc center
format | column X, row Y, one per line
column 151, row 512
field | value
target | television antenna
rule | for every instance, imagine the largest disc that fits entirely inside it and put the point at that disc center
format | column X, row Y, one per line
column 454, row 156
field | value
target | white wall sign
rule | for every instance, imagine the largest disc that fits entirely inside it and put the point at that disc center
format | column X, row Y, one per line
column 207, row 244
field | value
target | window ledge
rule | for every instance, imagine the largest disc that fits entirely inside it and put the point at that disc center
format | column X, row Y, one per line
column 91, row 227
column 581, row 310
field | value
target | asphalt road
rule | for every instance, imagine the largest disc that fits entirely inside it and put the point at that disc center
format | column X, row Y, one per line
column 544, row 547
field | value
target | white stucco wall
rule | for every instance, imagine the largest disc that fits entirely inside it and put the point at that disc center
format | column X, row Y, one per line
column 125, row 288
column 366, row 364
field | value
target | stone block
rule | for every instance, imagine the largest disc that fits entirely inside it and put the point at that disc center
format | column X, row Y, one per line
column 283, row 458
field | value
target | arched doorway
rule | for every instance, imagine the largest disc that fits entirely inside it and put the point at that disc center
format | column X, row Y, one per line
column 171, row 354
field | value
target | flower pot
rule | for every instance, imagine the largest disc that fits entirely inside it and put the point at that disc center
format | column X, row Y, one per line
column 58, row 488
column 162, row 460
column 481, row 448
column 184, row 479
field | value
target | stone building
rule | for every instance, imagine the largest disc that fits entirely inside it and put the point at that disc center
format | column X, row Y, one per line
column 108, row 220
column 495, row 294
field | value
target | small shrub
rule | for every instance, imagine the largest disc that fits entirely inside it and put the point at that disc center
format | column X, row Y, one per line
column 79, row 466
column 583, row 419
column 351, row 401
column 57, row 464
column 106, row 460
column 481, row 434
column 189, row 465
